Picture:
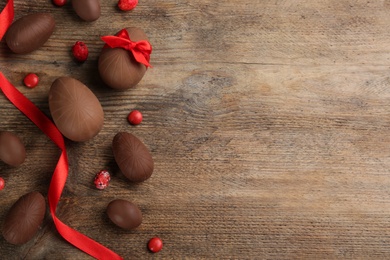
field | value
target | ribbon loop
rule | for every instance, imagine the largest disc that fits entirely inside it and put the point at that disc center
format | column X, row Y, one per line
column 141, row 50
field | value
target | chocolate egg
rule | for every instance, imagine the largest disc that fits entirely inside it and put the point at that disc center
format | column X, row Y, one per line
column 24, row 218
column 30, row 32
column 12, row 150
column 124, row 214
column 76, row 111
column 88, row 10
column 132, row 157
column 118, row 67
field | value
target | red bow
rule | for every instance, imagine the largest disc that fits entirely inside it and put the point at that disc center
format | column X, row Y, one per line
column 141, row 49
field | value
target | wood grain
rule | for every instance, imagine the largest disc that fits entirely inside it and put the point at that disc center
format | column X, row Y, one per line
column 268, row 122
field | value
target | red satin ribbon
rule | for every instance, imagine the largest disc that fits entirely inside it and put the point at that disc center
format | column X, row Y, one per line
column 60, row 174
column 141, row 50
column 6, row 17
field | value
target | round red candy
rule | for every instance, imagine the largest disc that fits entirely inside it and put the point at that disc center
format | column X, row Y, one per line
column 2, row 183
column 59, row 2
column 127, row 5
column 135, row 117
column 31, row 80
column 155, row 244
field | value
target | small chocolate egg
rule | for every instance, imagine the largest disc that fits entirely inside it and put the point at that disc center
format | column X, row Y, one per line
column 76, row 111
column 30, row 32
column 124, row 214
column 88, row 10
column 118, row 67
column 24, row 218
column 132, row 157
column 12, row 150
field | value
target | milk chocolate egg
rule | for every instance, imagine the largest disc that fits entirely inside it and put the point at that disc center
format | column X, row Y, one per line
column 30, row 32
column 118, row 67
column 12, row 150
column 124, row 214
column 132, row 157
column 24, row 218
column 88, row 10
column 76, row 111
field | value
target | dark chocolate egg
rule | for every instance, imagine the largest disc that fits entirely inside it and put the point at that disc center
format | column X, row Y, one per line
column 76, row 111
column 88, row 10
column 124, row 214
column 132, row 157
column 12, row 150
column 118, row 67
column 24, row 218
column 30, row 32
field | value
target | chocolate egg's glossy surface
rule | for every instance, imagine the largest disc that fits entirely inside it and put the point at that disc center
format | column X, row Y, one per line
column 24, row 218
column 132, row 157
column 118, row 67
column 88, row 10
column 30, row 32
column 124, row 214
column 12, row 150
column 75, row 109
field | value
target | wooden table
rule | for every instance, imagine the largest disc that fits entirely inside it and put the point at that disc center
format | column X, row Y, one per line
column 268, row 122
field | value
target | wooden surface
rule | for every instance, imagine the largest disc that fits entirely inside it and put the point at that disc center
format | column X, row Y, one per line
column 268, row 122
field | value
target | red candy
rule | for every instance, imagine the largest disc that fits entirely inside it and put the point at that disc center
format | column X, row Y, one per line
column 59, row 2
column 102, row 179
column 31, row 80
column 80, row 51
column 2, row 183
column 127, row 5
column 135, row 117
column 155, row 244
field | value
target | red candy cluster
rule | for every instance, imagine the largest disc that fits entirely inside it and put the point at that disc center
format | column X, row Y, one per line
column 102, row 179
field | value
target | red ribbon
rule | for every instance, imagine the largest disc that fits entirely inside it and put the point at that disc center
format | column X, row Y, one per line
column 6, row 17
column 141, row 50
column 60, row 174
